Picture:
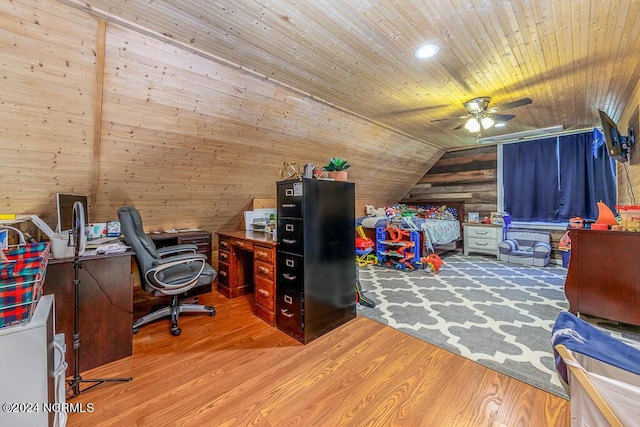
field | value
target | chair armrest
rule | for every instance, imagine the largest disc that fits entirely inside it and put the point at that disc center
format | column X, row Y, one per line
column 180, row 259
column 542, row 248
column 167, row 250
column 507, row 246
column 189, row 278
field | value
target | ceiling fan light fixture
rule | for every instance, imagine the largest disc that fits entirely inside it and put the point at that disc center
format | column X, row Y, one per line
column 477, row 105
column 487, row 122
column 500, row 124
column 472, row 125
column 426, row 51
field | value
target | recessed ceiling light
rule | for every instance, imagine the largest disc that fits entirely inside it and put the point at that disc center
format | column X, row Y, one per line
column 426, row 51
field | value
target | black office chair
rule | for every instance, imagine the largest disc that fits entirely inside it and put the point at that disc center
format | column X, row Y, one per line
column 169, row 271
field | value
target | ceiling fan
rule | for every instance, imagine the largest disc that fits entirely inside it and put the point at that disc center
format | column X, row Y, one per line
column 480, row 116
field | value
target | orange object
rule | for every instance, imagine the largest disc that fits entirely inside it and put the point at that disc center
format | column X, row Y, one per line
column 364, row 244
column 605, row 216
column 395, row 232
column 434, row 261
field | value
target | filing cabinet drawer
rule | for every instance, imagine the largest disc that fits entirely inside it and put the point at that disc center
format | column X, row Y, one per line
column 289, row 313
column 264, row 292
column 263, row 269
column 290, row 272
column 223, row 273
column 243, row 244
column 290, row 199
column 290, row 235
column 263, row 254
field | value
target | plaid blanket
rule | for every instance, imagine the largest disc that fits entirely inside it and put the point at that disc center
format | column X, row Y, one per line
column 21, row 279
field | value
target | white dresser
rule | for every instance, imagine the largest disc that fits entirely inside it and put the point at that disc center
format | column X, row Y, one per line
column 482, row 238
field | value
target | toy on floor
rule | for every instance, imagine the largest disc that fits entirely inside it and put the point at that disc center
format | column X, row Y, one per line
column 364, row 249
column 433, row 261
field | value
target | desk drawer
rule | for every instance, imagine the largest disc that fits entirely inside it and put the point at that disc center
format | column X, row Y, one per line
column 242, row 244
column 224, row 243
column 223, row 273
column 223, row 256
column 264, row 292
column 263, row 269
column 263, row 253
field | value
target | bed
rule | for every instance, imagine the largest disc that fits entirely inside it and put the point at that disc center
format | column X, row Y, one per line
column 437, row 235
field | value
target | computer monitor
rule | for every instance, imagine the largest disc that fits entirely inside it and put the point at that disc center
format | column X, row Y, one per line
column 64, row 204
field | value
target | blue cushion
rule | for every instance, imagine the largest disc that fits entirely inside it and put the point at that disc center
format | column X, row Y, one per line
column 579, row 336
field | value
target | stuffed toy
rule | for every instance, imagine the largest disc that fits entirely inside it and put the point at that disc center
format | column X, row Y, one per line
column 371, row 211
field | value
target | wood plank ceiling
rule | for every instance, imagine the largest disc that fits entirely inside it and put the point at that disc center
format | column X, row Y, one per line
column 570, row 57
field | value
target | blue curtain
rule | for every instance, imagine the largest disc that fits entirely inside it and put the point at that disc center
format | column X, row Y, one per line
column 585, row 179
column 555, row 179
column 530, row 180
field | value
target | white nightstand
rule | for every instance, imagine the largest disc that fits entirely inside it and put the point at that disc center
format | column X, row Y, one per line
column 482, row 238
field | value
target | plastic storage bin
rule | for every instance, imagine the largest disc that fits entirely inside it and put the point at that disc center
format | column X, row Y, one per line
column 21, row 279
column 629, row 217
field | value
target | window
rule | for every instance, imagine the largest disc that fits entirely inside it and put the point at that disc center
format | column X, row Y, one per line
column 555, row 179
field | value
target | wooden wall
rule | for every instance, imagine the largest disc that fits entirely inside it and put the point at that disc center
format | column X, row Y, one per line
column 94, row 108
column 465, row 175
column 629, row 173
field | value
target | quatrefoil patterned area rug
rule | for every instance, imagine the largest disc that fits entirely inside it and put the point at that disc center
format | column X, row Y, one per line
column 497, row 314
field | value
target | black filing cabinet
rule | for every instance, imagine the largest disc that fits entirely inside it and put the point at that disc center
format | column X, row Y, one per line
column 316, row 272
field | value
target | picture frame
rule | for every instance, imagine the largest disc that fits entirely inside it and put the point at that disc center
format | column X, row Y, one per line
column 473, row 217
column 113, row 228
column 496, row 218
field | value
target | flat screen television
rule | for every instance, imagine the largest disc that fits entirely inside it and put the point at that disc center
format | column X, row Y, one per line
column 64, row 204
column 616, row 144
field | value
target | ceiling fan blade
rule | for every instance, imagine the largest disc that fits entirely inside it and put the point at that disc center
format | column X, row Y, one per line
column 460, row 126
column 513, row 104
column 500, row 117
column 452, row 118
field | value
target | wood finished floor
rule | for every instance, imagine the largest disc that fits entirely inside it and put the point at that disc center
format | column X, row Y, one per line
column 233, row 369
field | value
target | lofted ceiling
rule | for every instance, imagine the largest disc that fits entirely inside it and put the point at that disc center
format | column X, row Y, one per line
column 571, row 57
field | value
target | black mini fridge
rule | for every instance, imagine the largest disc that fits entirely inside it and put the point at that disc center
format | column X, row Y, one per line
column 316, row 271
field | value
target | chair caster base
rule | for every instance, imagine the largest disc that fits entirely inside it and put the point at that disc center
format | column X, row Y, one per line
column 176, row 331
column 135, row 330
column 212, row 310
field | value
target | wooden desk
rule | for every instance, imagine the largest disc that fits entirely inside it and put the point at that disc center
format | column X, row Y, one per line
column 603, row 279
column 246, row 259
column 106, row 306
